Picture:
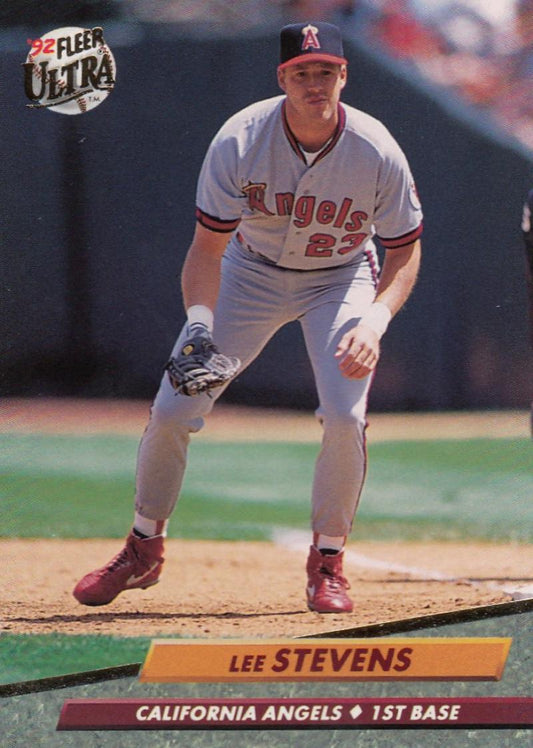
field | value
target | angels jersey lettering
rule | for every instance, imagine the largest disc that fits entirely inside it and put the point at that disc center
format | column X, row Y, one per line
column 307, row 215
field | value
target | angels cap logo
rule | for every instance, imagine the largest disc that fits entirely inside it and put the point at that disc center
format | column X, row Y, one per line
column 310, row 34
column 320, row 41
column 69, row 70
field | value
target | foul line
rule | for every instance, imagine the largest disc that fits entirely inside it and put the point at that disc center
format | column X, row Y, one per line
column 299, row 541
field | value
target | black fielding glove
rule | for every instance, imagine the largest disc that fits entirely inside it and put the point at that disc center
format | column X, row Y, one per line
column 199, row 367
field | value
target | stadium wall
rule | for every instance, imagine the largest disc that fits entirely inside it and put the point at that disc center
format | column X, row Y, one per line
column 99, row 211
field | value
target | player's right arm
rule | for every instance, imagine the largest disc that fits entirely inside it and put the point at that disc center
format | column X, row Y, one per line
column 218, row 210
column 200, row 278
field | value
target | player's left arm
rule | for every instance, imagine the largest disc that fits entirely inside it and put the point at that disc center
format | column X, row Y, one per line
column 359, row 349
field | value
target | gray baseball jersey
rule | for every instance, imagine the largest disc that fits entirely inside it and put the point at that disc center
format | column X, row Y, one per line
column 306, row 217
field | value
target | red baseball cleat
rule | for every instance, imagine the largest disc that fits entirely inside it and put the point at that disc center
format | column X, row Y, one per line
column 326, row 586
column 138, row 565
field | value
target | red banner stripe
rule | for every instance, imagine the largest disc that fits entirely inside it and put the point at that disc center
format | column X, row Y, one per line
column 330, row 713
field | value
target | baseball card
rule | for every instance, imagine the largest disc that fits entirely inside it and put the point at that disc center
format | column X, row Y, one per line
column 266, row 373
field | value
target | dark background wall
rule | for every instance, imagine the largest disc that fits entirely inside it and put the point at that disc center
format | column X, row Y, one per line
column 98, row 212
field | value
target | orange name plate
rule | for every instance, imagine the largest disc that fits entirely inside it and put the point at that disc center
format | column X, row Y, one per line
column 172, row 661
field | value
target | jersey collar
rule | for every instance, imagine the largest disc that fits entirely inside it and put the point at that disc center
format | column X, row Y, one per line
column 341, row 121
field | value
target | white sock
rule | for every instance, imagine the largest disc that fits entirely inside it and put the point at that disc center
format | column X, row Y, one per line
column 150, row 527
column 333, row 542
column 199, row 319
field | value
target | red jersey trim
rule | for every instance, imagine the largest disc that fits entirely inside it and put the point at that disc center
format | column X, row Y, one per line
column 216, row 224
column 404, row 240
column 288, row 132
column 369, row 254
column 338, row 132
column 341, row 123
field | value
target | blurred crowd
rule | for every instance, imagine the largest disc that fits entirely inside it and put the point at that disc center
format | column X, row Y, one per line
column 479, row 50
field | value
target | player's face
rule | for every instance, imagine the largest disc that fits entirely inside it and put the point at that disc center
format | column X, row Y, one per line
column 313, row 88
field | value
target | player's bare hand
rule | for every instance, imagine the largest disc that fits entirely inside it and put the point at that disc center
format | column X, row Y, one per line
column 358, row 352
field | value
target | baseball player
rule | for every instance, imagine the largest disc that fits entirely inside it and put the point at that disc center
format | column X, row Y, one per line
column 527, row 234
column 290, row 196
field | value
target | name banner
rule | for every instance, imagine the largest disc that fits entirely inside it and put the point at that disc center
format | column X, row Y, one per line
column 171, row 661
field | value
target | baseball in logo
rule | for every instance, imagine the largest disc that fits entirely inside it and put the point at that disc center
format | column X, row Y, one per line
column 69, row 70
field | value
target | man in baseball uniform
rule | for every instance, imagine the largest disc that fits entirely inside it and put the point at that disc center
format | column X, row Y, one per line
column 291, row 195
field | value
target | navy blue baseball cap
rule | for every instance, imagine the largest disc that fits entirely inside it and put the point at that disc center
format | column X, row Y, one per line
column 302, row 42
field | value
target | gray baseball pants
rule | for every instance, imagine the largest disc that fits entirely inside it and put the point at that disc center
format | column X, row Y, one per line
column 256, row 299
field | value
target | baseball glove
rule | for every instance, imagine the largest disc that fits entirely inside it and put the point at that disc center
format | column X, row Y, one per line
column 199, row 367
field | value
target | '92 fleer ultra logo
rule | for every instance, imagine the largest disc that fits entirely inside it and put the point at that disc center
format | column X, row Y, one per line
column 69, row 70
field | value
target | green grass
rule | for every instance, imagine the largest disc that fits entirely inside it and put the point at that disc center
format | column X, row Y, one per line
column 58, row 486
column 480, row 488
column 48, row 655
column 63, row 486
